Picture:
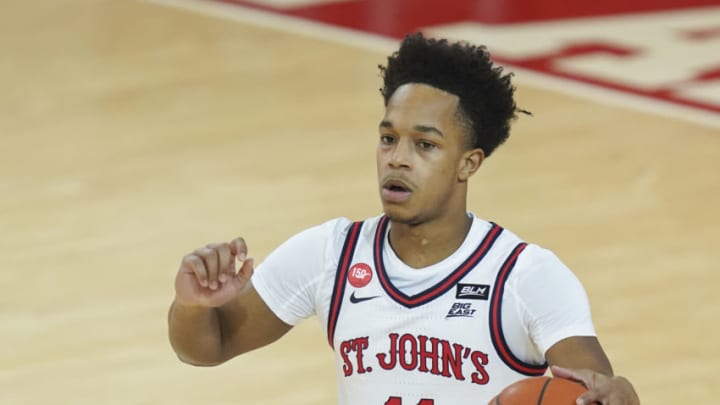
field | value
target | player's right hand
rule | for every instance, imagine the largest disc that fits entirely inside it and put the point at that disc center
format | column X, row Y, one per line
column 207, row 276
column 602, row 389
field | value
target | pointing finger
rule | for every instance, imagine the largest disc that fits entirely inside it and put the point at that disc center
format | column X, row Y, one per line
column 238, row 247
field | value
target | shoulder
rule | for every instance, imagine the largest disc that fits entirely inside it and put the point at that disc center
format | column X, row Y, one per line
column 540, row 271
column 537, row 257
column 335, row 228
column 339, row 227
column 534, row 260
column 533, row 256
column 333, row 233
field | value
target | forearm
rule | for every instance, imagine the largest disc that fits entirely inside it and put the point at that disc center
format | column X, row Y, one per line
column 580, row 352
column 195, row 334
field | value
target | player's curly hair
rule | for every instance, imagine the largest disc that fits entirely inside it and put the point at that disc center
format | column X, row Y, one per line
column 487, row 107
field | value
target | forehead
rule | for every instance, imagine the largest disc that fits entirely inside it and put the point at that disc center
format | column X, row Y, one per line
column 416, row 103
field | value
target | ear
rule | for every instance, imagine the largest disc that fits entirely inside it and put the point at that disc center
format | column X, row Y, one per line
column 470, row 163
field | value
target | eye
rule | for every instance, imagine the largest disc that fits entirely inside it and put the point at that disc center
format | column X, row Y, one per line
column 425, row 145
column 387, row 139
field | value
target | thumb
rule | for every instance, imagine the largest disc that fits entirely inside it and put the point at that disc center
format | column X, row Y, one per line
column 595, row 392
column 590, row 397
column 583, row 376
column 571, row 374
column 246, row 271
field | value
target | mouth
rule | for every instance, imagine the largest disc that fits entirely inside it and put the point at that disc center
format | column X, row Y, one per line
column 395, row 191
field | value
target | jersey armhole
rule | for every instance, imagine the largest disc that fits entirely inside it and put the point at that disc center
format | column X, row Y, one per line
column 496, row 330
column 338, row 292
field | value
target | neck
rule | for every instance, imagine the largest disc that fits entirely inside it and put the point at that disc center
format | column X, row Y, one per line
column 430, row 242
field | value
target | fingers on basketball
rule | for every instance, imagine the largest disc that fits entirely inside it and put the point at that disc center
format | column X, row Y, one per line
column 540, row 391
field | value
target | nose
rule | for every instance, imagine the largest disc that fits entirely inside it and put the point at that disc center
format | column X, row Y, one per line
column 400, row 154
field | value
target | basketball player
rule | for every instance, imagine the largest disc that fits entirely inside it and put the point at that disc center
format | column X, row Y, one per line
column 426, row 303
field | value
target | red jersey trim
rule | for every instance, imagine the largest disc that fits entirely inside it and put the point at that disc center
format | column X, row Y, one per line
column 441, row 287
column 498, row 338
column 338, row 293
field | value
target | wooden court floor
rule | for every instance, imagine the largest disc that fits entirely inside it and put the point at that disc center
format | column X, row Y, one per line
column 132, row 133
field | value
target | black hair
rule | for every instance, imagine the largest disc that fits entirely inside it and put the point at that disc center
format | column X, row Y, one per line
column 487, row 107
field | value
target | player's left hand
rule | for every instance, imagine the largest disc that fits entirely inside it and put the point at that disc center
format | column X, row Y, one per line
column 602, row 389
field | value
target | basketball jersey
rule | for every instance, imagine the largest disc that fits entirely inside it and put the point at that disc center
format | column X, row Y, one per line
column 443, row 345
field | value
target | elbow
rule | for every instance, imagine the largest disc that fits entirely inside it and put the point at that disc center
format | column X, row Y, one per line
column 196, row 353
column 195, row 356
column 198, row 362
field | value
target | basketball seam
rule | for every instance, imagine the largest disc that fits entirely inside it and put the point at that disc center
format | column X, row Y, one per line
column 542, row 391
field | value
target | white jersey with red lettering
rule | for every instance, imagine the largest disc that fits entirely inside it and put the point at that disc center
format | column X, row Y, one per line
column 456, row 332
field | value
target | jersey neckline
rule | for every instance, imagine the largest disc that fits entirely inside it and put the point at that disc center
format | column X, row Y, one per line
column 438, row 288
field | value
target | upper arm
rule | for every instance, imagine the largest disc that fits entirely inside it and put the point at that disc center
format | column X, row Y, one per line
column 247, row 324
column 556, row 310
column 579, row 352
column 290, row 278
column 552, row 304
column 282, row 290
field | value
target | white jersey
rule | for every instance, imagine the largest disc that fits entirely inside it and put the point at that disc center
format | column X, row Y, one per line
column 456, row 332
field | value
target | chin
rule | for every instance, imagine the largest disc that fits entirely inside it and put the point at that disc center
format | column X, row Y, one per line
column 401, row 216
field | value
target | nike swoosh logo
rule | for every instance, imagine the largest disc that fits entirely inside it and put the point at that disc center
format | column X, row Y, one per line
column 355, row 299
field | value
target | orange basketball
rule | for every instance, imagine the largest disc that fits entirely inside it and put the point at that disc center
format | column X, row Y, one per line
column 540, row 391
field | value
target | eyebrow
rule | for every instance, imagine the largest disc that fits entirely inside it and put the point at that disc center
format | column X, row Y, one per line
column 419, row 128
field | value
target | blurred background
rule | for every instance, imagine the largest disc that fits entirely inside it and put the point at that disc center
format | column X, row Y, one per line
column 133, row 132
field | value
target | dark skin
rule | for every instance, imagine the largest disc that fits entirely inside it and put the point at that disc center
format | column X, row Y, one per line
column 423, row 165
column 422, row 149
column 423, row 143
column 216, row 314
